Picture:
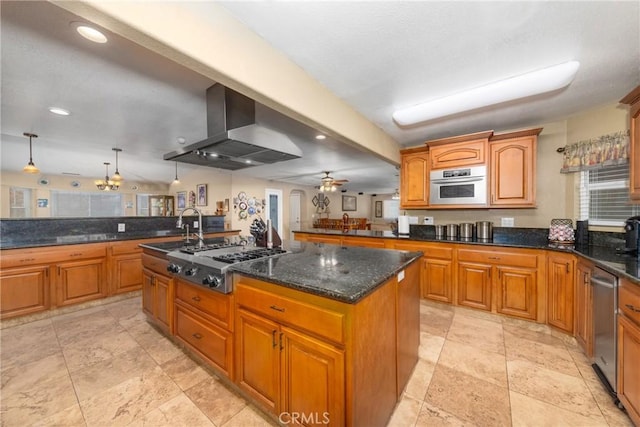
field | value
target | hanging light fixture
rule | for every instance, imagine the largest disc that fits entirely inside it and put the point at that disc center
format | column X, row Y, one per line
column 107, row 184
column 116, row 176
column 30, row 167
column 396, row 195
column 176, row 180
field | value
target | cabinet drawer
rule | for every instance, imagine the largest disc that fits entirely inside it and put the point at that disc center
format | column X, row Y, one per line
column 23, row 257
column 314, row 319
column 131, row 247
column 629, row 300
column 211, row 342
column 215, row 304
column 159, row 265
column 430, row 251
column 518, row 259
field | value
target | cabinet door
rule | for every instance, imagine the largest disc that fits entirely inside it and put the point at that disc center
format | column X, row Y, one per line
column 560, row 282
column 312, row 379
column 164, row 300
column 414, row 182
column 148, row 292
column 24, row 291
column 517, row 292
column 628, row 367
column 584, row 309
column 437, row 279
column 634, row 156
column 258, row 343
column 513, row 172
column 474, row 285
column 126, row 273
column 80, row 281
column 458, row 154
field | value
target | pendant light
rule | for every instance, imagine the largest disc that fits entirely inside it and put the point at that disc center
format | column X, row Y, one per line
column 116, row 176
column 30, row 167
column 107, row 184
column 176, row 180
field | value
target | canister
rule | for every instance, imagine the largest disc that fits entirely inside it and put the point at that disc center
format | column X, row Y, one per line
column 452, row 231
column 484, row 230
column 440, row 231
column 466, row 230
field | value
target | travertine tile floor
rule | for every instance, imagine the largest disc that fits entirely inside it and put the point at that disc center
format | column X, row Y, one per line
column 105, row 366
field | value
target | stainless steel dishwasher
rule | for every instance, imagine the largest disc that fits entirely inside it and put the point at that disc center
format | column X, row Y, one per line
column 605, row 306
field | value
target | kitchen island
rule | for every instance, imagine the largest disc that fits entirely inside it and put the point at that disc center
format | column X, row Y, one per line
column 320, row 334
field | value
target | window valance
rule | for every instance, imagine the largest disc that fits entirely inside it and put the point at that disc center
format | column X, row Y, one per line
column 605, row 150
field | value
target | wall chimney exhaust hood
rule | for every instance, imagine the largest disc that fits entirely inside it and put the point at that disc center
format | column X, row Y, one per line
column 234, row 140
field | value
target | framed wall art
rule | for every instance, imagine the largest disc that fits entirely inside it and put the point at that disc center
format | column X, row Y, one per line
column 349, row 203
column 378, row 209
column 201, row 195
column 182, row 199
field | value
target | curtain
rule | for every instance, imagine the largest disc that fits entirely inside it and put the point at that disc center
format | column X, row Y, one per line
column 605, row 150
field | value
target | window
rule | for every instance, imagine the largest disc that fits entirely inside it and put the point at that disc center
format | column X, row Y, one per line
column 604, row 196
column 74, row 204
column 142, row 204
column 19, row 202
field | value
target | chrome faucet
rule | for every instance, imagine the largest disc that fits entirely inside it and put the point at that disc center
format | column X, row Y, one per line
column 200, row 234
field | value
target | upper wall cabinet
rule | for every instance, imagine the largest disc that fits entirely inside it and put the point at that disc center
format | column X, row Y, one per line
column 633, row 100
column 513, row 165
column 459, row 151
column 414, row 179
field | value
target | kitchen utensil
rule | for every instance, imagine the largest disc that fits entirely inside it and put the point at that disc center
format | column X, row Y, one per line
column 466, row 230
column 484, row 230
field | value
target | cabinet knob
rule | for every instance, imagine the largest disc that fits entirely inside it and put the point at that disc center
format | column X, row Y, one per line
column 197, row 336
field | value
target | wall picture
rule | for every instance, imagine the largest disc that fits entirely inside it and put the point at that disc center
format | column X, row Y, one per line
column 182, row 199
column 201, row 195
column 378, row 209
column 349, row 203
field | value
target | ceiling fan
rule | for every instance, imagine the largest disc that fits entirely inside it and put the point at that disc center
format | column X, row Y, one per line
column 329, row 184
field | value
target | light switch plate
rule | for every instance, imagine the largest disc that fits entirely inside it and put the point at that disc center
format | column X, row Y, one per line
column 401, row 276
column 195, row 224
column 120, row 227
column 507, row 222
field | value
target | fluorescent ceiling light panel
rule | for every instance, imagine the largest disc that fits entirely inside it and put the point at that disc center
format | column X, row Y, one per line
column 525, row 85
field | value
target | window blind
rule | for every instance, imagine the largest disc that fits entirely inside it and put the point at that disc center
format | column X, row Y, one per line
column 604, row 196
column 82, row 205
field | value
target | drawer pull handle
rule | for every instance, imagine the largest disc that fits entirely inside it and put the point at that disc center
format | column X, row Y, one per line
column 497, row 258
column 27, row 259
column 632, row 308
column 197, row 336
column 281, row 346
column 276, row 308
column 273, row 338
column 76, row 254
column 196, row 298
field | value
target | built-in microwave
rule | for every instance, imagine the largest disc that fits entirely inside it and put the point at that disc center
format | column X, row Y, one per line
column 464, row 186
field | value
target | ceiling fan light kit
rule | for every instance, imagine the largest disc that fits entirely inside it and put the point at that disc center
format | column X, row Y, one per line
column 30, row 167
column 518, row 87
column 328, row 184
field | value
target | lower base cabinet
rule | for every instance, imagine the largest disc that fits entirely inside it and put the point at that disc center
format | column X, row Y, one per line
column 24, row 290
column 629, row 348
column 80, row 281
column 583, row 330
column 560, row 291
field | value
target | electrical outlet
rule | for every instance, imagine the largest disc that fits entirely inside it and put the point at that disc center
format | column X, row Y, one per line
column 195, row 224
column 507, row 222
column 428, row 220
column 401, row 276
column 121, row 227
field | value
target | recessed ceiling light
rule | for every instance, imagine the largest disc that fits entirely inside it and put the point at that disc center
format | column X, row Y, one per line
column 247, row 161
column 91, row 33
column 59, row 111
column 321, row 136
column 181, row 140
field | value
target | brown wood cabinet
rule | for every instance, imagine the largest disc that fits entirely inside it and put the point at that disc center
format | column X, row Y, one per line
column 303, row 353
column 583, row 330
column 633, row 100
column 560, row 290
column 436, row 269
column 459, row 151
column 629, row 349
column 24, row 290
column 414, row 182
column 157, row 290
column 500, row 281
column 125, row 260
column 513, row 169
column 203, row 321
column 82, row 280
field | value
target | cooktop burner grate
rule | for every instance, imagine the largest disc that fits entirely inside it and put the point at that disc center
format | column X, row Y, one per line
column 232, row 258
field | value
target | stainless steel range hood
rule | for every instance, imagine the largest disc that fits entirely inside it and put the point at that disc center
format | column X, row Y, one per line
column 234, row 140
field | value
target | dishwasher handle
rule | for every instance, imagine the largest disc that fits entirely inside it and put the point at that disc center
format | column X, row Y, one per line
column 605, row 283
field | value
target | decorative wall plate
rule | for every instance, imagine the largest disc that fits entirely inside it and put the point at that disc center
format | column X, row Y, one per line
column 242, row 205
column 242, row 195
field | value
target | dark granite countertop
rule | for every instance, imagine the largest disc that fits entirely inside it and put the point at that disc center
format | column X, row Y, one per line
column 605, row 256
column 345, row 274
column 23, row 243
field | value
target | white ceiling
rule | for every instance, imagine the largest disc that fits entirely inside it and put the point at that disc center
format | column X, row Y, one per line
column 376, row 56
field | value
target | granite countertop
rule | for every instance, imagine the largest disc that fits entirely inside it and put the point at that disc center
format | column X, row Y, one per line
column 346, row 274
column 23, row 243
column 607, row 257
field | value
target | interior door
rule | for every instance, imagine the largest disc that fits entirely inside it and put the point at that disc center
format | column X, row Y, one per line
column 294, row 213
column 273, row 209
